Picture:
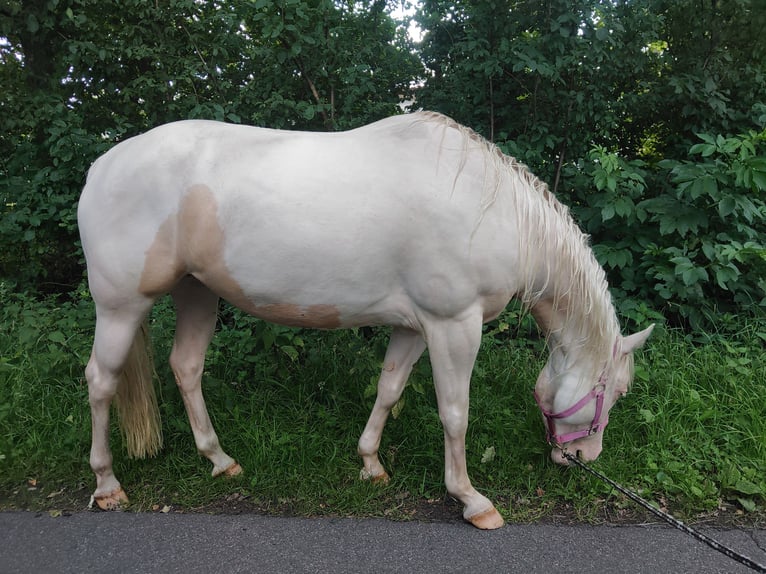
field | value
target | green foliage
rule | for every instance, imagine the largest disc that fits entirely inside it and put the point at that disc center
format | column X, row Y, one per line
column 43, row 351
column 714, row 391
column 698, row 225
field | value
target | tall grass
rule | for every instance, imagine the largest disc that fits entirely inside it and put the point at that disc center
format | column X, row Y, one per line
column 289, row 405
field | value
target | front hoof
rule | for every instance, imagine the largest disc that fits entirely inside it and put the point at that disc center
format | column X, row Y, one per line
column 382, row 479
column 487, row 520
column 115, row 500
column 233, row 470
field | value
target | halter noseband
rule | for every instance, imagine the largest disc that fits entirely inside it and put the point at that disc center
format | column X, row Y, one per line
column 596, row 425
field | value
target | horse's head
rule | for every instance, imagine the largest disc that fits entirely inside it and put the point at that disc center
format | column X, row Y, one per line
column 575, row 394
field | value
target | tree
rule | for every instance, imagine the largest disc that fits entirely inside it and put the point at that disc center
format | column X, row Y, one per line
column 605, row 101
column 79, row 76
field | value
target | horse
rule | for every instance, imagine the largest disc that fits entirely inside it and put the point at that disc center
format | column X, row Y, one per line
column 415, row 222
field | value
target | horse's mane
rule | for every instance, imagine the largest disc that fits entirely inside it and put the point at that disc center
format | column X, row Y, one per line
column 553, row 246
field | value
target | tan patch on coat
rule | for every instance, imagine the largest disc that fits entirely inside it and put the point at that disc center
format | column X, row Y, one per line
column 191, row 242
column 315, row 316
column 162, row 266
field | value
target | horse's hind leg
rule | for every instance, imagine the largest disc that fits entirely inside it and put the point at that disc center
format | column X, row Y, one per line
column 196, row 308
column 404, row 349
column 116, row 330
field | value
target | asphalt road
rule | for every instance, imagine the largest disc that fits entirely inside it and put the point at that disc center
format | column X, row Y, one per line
column 122, row 542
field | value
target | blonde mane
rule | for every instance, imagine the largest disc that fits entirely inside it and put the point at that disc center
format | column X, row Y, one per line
column 553, row 246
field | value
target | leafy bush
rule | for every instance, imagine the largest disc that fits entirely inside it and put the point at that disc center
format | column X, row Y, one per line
column 684, row 236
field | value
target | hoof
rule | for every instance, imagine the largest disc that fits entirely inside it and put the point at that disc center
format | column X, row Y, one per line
column 230, row 471
column 487, row 520
column 112, row 501
column 381, row 478
column 233, row 470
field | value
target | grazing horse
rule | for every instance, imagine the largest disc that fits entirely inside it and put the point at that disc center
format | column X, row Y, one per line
column 414, row 222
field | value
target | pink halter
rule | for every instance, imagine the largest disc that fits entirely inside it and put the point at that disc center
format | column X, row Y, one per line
column 596, row 425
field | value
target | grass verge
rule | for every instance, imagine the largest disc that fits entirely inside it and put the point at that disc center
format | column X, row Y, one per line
column 289, row 405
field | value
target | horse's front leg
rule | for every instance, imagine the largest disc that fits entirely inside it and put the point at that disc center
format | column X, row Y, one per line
column 404, row 349
column 453, row 346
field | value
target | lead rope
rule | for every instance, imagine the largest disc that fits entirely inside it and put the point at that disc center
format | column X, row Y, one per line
column 670, row 519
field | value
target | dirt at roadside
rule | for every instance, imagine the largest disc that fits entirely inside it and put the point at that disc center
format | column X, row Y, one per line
column 66, row 499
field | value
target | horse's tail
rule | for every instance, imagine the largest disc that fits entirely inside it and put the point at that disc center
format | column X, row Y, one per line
column 136, row 400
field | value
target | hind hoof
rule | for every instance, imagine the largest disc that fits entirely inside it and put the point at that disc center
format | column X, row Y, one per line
column 112, row 501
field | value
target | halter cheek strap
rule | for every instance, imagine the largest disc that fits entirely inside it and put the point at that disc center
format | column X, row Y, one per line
column 596, row 425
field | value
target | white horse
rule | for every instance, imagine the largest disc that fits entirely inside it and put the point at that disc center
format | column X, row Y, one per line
column 413, row 221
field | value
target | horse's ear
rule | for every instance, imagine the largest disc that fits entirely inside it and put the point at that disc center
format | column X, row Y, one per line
column 636, row 340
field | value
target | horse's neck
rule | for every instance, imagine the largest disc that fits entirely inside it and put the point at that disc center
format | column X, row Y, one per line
column 562, row 341
column 568, row 296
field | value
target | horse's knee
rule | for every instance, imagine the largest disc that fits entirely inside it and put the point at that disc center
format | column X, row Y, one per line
column 454, row 421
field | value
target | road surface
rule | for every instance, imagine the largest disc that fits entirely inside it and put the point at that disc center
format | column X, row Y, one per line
column 124, row 542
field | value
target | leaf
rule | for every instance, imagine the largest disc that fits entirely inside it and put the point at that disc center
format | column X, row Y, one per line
column 57, row 337
column 759, row 179
column 726, row 206
column 704, row 149
column 694, row 276
column 607, row 212
column 708, row 249
column 746, row 487
column 623, row 206
column 647, row 415
column 709, row 185
column 268, row 337
column 290, row 351
column 309, row 112
column 396, row 410
column 747, row 504
column 33, row 25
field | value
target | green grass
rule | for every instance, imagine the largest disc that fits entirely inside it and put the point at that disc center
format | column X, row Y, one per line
column 290, row 405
